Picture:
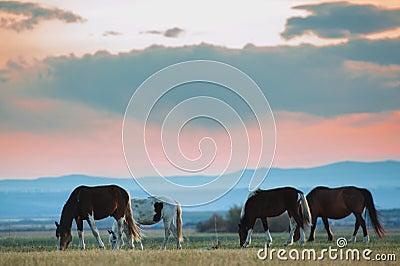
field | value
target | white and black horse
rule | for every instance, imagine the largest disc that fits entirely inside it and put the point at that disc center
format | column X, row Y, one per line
column 150, row 211
column 96, row 203
column 269, row 203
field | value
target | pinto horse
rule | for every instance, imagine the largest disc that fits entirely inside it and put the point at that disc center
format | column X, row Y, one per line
column 269, row 203
column 338, row 203
column 150, row 211
column 95, row 203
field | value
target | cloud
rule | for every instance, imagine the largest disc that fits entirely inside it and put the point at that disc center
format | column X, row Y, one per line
column 64, row 114
column 111, row 33
column 355, row 77
column 169, row 33
column 173, row 33
column 342, row 20
column 371, row 136
column 154, row 32
column 25, row 16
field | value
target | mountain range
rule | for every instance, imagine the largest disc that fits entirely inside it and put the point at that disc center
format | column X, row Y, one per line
column 44, row 197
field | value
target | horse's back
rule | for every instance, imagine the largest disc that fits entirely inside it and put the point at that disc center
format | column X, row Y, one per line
column 275, row 191
column 272, row 202
column 335, row 203
column 103, row 201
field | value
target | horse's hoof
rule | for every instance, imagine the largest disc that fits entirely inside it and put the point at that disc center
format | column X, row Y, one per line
column 352, row 240
column 288, row 244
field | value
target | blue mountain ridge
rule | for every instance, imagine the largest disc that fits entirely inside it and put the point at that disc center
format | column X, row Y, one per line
column 46, row 195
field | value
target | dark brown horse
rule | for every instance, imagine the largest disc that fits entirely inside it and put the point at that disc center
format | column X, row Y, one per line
column 338, row 203
column 95, row 203
column 269, row 203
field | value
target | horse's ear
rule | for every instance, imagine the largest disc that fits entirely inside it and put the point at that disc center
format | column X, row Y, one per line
column 110, row 232
column 57, row 224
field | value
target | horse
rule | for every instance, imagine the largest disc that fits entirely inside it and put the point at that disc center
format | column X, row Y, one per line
column 269, row 203
column 150, row 211
column 338, row 203
column 95, row 203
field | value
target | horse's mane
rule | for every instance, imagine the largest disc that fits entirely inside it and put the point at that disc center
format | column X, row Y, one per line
column 253, row 193
column 69, row 208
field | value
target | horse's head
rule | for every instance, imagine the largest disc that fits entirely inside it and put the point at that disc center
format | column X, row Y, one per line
column 63, row 235
column 112, row 239
column 243, row 228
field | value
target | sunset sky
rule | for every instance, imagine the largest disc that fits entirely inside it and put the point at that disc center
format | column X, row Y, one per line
column 329, row 69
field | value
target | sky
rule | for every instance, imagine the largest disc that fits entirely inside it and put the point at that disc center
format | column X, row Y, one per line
column 330, row 71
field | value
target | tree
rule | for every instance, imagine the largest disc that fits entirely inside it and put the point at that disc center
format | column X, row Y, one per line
column 230, row 223
column 209, row 225
column 233, row 217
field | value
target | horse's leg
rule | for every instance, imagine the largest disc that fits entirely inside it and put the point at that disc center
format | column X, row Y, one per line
column 79, row 226
column 361, row 221
column 95, row 231
column 354, row 236
column 267, row 234
column 167, row 232
column 175, row 233
column 313, row 226
column 292, row 225
column 120, row 223
column 248, row 238
column 295, row 221
column 249, row 233
column 327, row 228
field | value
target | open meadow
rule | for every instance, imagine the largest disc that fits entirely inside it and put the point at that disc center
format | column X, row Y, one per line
column 39, row 248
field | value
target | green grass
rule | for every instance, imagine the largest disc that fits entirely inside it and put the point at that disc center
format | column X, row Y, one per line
column 39, row 249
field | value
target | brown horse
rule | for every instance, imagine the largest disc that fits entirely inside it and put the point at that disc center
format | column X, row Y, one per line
column 269, row 203
column 338, row 203
column 95, row 203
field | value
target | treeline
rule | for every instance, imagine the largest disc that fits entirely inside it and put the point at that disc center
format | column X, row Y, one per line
column 231, row 221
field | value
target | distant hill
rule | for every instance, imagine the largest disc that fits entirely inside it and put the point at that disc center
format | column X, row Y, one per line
column 44, row 197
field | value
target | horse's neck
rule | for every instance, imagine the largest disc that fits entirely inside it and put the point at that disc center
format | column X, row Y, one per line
column 68, row 214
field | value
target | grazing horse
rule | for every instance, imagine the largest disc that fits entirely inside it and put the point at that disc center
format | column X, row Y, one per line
column 269, row 203
column 150, row 211
column 95, row 203
column 338, row 203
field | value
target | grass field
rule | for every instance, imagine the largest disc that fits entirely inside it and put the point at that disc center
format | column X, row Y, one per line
column 38, row 248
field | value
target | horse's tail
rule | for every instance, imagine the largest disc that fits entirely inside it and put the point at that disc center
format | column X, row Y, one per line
column 179, row 222
column 132, row 228
column 373, row 214
column 305, row 210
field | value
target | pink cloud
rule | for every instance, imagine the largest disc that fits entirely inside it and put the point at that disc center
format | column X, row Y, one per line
column 360, row 137
column 302, row 140
column 371, row 69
